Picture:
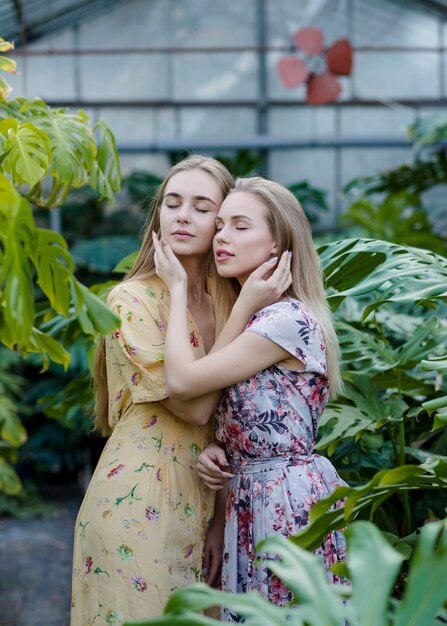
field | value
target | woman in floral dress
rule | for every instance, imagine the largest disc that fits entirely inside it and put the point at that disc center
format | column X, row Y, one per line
column 278, row 375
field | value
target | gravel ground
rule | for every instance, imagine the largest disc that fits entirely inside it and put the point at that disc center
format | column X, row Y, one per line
column 35, row 568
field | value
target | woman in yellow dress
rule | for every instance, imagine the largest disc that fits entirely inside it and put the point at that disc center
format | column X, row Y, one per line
column 140, row 531
column 146, row 525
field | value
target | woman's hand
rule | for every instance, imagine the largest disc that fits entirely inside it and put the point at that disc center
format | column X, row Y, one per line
column 212, row 466
column 167, row 265
column 213, row 552
column 258, row 291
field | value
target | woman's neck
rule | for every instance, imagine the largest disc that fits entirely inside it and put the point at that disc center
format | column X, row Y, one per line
column 195, row 270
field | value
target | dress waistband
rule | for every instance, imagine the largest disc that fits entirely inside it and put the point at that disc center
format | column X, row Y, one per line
column 255, row 466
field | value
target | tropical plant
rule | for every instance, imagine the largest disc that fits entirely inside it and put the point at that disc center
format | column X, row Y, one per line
column 373, row 569
column 45, row 152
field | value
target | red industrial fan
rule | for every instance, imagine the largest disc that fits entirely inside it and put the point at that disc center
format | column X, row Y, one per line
column 320, row 67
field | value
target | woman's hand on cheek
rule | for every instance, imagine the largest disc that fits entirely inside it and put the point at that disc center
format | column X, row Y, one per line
column 167, row 265
column 265, row 286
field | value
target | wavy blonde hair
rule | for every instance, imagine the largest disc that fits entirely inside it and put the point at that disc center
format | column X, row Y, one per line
column 291, row 230
column 144, row 269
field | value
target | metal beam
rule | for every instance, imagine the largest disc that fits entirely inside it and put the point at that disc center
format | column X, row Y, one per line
column 262, row 142
column 252, row 104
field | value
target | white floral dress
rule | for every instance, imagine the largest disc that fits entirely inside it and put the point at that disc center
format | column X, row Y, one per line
column 268, row 424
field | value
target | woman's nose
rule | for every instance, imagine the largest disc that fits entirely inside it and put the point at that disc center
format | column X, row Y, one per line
column 221, row 235
column 184, row 214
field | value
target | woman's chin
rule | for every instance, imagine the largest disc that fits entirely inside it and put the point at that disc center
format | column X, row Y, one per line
column 226, row 272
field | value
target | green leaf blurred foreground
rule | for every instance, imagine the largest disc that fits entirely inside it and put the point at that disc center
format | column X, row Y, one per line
column 373, row 570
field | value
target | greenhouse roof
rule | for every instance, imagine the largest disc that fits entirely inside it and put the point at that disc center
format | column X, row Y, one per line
column 27, row 20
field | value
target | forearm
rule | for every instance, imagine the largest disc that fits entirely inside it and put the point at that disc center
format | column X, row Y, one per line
column 195, row 411
column 234, row 326
column 220, row 507
column 178, row 350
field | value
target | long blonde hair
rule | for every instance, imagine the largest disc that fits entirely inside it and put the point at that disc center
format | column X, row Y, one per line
column 291, row 231
column 144, row 268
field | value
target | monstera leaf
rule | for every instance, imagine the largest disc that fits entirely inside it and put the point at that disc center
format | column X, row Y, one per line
column 372, row 568
column 25, row 152
column 387, row 271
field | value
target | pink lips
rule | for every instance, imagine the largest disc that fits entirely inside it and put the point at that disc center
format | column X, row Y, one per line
column 182, row 234
column 222, row 255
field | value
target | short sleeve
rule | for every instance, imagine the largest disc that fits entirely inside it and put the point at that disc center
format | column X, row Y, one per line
column 289, row 324
column 140, row 340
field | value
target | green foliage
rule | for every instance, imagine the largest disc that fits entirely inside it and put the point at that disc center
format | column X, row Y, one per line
column 44, row 153
column 312, row 200
column 373, row 569
column 400, row 218
column 399, row 274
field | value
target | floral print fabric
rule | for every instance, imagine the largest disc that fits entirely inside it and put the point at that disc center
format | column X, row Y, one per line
column 140, row 530
column 268, row 424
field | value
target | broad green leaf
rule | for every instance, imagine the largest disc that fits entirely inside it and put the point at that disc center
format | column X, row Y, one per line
column 255, row 609
column 439, row 364
column 73, row 145
column 126, row 264
column 5, row 46
column 17, row 236
column 11, row 429
column 426, row 589
column 26, row 154
column 7, row 65
column 5, row 89
column 106, row 171
column 431, row 475
column 340, row 421
column 305, row 576
column 48, row 348
column 395, row 273
column 365, row 350
column 54, row 266
column 9, row 481
column 373, row 567
column 440, row 420
column 94, row 316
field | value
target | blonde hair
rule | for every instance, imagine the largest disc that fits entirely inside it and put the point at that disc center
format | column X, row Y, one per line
column 144, row 268
column 291, row 231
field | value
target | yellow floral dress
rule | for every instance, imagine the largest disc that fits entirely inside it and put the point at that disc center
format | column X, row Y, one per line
column 140, row 529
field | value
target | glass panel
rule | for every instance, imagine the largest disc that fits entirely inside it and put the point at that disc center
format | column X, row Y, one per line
column 155, row 163
column 228, row 123
column 136, row 125
column 396, row 75
column 215, row 76
column 50, row 78
column 135, row 77
column 315, row 166
column 366, row 162
column 301, row 122
column 376, row 122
